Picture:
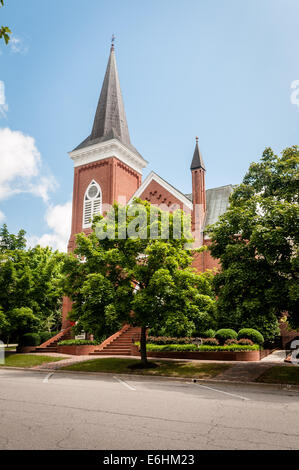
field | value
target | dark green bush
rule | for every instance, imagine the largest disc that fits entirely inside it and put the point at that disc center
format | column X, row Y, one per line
column 249, row 333
column 224, row 334
column 30, row 339
column 208, row 334
column 210, row 342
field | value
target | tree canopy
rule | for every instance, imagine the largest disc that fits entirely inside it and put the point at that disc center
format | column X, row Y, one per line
column 30, row 291
column 256, row 241
column 139, row 279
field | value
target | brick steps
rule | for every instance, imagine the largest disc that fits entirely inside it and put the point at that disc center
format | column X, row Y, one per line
column 51, row 345
column 120, row 346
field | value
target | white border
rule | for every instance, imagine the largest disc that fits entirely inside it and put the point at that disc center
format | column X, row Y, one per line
column 108, row 149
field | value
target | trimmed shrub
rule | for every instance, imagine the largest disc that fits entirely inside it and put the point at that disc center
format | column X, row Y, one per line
column 194, row 347
column 208, row 334
column 210, row 342
column 229, row 347
column 249, row 333
column 224, row 334
column 77, row 342
column 245, row 342
column 231, row 341
column 30, row 339
column 172, row 347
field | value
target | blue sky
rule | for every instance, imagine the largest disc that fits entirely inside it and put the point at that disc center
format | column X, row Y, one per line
column 218, row 69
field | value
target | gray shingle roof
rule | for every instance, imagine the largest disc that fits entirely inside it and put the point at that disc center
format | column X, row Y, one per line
column 110, row 120
column 217, row 202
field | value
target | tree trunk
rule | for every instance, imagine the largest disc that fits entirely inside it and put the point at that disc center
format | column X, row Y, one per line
column 143, row 345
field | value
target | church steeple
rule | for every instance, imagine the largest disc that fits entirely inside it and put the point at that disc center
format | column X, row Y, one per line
column 110, row 118
column 197, row 161
column 198, row 181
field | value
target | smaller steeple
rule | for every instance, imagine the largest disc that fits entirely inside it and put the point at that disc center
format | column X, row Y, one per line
column 197, row 161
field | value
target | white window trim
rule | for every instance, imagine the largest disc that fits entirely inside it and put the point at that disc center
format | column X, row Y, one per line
column 92, row 201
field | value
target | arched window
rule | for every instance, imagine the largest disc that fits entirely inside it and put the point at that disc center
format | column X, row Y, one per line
column 92, row 203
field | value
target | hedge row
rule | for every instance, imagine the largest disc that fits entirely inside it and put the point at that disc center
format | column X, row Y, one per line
column 194, row 347
column 77, row 342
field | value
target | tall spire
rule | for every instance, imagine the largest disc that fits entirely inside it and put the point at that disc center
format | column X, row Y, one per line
column 197, row 161
column 110, row 118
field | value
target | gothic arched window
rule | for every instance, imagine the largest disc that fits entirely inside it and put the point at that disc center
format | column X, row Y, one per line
column 92, row 203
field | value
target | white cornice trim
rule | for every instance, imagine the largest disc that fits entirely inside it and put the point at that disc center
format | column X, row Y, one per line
column 154, row 177
column 108, row 149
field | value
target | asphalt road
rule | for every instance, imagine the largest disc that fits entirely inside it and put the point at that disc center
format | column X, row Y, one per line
column 75, row 411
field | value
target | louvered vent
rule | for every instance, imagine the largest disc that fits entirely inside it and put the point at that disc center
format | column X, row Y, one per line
column 92, row 203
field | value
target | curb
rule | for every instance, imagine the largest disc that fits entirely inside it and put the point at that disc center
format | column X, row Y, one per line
column 264, row 385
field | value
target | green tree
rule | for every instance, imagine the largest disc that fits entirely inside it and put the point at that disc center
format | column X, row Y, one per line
column 4, row 30
column 256, row 241
column 30, row 287
column 139, row 279
column 9, row 241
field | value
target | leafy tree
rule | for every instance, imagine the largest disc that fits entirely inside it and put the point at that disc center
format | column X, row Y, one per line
column 257, row 243
column 30, row 291
column 9, row 241
column 142, row 280
column 4, row 30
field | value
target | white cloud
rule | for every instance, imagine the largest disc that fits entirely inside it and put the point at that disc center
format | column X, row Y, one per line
column 21, row 166
column 2, row 216
column 58, row 219
column 3, row 104
column 17, row 45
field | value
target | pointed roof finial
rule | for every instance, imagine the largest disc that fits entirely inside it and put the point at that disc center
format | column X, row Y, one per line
column 112, row 42
column 197, row 161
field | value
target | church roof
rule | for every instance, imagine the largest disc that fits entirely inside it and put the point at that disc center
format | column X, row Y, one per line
column 217, row 202
column 197, row 161
column 110, row 120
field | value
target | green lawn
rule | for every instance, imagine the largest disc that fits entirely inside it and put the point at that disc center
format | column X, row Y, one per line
column 27, row 360
column 281, row 375
column 167, row 368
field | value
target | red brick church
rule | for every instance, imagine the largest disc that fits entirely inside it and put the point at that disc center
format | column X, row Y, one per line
column 108, row 168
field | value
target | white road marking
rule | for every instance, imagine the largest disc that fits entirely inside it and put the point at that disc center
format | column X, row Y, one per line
column 46, row 379
column 221, row 391
column 124, row 383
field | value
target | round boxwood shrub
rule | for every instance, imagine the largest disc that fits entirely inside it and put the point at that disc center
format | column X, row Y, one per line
column 210, row 342
column 224, row 334
column 249, row 333
column 30, row 339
